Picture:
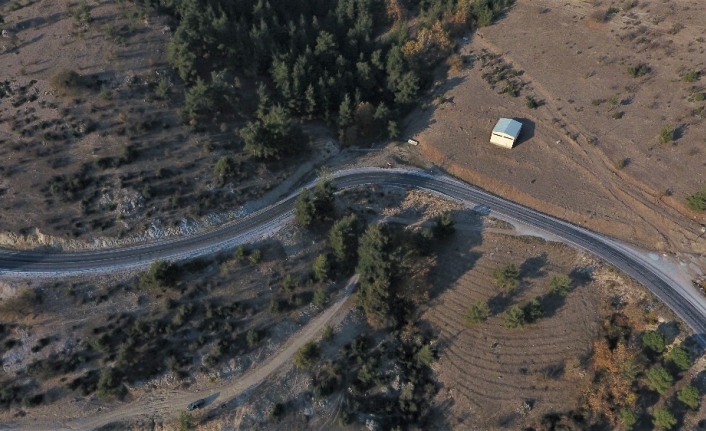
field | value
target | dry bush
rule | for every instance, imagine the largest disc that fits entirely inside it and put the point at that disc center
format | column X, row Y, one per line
column 65, row 81
column 455, row 63
column 601, row 15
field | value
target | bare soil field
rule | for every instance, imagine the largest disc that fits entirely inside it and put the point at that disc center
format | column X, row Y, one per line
column 108, row 154
column 590, row 149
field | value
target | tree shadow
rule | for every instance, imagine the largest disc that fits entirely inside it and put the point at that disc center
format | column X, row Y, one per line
column 533, row 267
column 421, row 118
column 670, row 330
column 693, row 344
column 30, row 42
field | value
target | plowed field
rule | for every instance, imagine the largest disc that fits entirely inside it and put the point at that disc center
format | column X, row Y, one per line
column 488, row 372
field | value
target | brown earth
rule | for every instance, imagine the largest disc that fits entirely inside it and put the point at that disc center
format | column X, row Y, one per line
column 568, row 161
column 488, row 372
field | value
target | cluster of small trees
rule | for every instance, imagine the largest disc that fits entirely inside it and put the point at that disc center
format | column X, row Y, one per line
column 622, row 370
column 324, row 59
column 517, row 316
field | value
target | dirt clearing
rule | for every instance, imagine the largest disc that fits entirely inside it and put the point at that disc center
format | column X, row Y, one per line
column 590, row 151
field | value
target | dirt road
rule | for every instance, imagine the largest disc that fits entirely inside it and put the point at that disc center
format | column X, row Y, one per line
column 166, row 405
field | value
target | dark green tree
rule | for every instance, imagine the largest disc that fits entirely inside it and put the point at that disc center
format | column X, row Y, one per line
column 515, row 317
column 664, row 419
column 320, row 298
column 508, row 277
column 445, row 226
column 321, row 268
column 478, row 312
column 628, row 418
column 225, row 167
column 199, row 100
column 315, row 206
column 533, row 310
column 680, row 357
column 161, row 275
column 306, row 355
column 689, row 395
column 343, row 238
column 654, row 341
column 560, row 285
column 273, row 135
column 110, row 382
column 253, row 338
column 659, row 379
column 375, row 270
column 304, row 208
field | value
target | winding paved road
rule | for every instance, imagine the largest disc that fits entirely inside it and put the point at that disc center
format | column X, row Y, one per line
column 683, row 299
column 686, row 302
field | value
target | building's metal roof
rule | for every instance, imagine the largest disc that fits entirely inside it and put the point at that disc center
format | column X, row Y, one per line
column 509, row 127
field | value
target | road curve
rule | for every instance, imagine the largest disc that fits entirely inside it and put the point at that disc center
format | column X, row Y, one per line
column 683, row 300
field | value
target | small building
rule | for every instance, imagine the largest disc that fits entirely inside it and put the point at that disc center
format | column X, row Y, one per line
column 506, row 132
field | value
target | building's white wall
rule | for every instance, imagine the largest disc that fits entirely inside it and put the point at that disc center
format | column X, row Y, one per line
column 501, row 141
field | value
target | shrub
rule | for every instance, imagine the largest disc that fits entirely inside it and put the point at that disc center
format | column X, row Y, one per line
column 65, row 80
column 478, row 312
column 515, row 317
column 628, row 418
column 531, row 103
column 185, row 421
column 225, row 167
column 680, row 357
column 455, row 63
column 255, row 257
column 620, row 164
column 629, row 4
column 700, row 97
column 663, row 418
column 306, row 355
column 320, row 268
column 110, row 382
column 667, row 134
column 507, row 278
column 253, row 338
column 596, row 102
column 425, row 355
column 328, row 333
column 618, row 115
column 654, row 341
column 288, row 283
column 274, row 308
column 659, row 379
column 690, row 76
column 162, row 274
column 689, row 395
column 697, row 201
column 276, row 412
column 533, row 310
column 560, row 285
column 320, row 298
column 240, row 253
column 639, row 70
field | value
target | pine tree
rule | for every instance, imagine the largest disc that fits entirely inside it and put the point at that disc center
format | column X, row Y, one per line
column 343, row 238
column 375, row 269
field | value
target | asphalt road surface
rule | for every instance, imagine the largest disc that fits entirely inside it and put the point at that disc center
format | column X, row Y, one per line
column 682, row 299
